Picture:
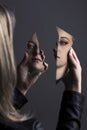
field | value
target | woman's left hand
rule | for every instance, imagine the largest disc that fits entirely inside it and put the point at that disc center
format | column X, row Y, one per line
column 73, row 78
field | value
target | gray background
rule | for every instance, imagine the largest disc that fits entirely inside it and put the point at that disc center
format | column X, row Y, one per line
column 42, row 16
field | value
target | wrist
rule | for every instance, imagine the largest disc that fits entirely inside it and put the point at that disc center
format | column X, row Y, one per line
column 22, row 87
column 76, row 88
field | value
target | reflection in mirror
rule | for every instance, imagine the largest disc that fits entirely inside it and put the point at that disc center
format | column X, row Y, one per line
column 63, row 45
column 36, row 55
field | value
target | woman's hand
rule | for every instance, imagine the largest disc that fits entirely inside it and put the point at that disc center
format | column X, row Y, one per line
column 25, row 79
column 73, row 78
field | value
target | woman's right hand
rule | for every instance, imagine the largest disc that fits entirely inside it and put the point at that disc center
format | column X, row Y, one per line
column 25, row 79
column 73, row 78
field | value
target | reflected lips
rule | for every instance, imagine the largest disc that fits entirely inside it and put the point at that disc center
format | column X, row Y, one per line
column 37, row 59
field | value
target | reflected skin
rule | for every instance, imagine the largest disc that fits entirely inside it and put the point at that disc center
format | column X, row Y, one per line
column 36, row 56
column 32, row 66
column 63, row 45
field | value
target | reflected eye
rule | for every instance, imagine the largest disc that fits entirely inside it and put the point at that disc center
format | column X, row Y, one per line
column 62, row 43
column 30, row 46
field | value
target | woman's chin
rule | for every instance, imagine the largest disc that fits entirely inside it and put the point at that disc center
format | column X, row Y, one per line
column 36, row 67
column 39, row 68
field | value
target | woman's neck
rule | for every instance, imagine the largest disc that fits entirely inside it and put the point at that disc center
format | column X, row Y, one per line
column 60, row 72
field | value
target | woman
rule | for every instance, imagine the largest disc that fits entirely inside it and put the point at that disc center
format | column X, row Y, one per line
column 10, row 118
column 64, row 43
column 72, row 100
column 68, row 69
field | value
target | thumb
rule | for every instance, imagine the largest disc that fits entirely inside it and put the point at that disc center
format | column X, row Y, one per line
column 25, row 59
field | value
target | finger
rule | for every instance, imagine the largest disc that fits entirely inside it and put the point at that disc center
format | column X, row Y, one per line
column 72, row 58
column 43, row 57
column 42, row 54
column 74, row 55
column 25, row 59
column 45, row 65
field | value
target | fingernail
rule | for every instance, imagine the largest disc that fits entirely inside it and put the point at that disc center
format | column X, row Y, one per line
column 70, row 51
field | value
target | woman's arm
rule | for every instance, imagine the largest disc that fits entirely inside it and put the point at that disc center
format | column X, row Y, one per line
column 72, row 100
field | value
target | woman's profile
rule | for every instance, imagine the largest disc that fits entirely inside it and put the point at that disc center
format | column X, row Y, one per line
column 64, row 44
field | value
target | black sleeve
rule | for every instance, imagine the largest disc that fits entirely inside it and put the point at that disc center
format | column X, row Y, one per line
column 19, row 99
column 33, row 124
column 70, row 111
column 38, row 126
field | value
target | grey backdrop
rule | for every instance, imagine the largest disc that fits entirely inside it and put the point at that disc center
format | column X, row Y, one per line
column 42, row 16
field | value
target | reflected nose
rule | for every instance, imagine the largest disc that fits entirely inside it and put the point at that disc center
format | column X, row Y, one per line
column 36, row 42
column 36, row 50
column 57, row 50
column 54, row 50
column 58, row 46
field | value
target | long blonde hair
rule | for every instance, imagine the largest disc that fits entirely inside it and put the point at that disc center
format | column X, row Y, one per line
column 7, row 67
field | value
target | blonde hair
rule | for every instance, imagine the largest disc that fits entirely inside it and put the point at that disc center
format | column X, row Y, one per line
column 7, row 67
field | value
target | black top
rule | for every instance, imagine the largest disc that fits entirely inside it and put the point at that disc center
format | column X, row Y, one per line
column 70, row 111
column 69, row 117
column 31, row 124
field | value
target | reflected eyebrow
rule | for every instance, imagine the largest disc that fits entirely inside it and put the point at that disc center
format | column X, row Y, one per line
column 31, row 42
column 66, row 38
